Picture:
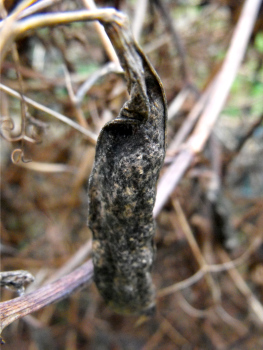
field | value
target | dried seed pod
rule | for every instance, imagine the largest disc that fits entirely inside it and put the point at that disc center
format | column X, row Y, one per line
column 122, row 187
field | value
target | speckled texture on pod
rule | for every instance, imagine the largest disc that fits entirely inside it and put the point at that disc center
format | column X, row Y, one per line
column 122, row 187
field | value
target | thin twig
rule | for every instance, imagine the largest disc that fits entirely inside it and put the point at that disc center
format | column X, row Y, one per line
column 110, row 67
column 181, row 285
column 12, row 29
column 154, row 340
column 192, row 311
column 228, row 265
column 140, row 11
column 40, row 5
column 90, row 5
column 46, row 167
column 90, row 136
column 241, row 329
column 22, row 137
column 6, row 27
column 242, row 286
column 191, row 119
column 177, row 103
column 78, row 111
column 173, row 333
column 215, row 291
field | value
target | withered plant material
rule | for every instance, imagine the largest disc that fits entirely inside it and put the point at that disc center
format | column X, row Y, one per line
column 122, row 188
column 16, row 280
column 215, row 102
column 138, row 135
column 16, row 308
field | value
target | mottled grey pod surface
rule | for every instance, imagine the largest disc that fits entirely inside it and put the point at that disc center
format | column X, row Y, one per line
column 122, row 187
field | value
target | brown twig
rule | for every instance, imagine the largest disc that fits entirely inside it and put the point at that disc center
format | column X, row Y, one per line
column 7, row 27
column 172, row 333
column 255, row 305
column 227, row 265
column 197, row 252
column 14, row 309
column 12, row 29
column 90, row 5
column 77, row 110
column 40, row 5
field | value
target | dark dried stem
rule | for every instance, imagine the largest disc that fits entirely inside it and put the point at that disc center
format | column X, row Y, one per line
column 14, row 309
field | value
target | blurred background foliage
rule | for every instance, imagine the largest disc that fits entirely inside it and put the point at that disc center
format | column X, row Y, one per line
column 44, row 210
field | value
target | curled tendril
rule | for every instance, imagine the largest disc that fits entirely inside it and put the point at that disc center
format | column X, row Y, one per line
column 17, row 156
column 37, row 128
column 6, row 124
